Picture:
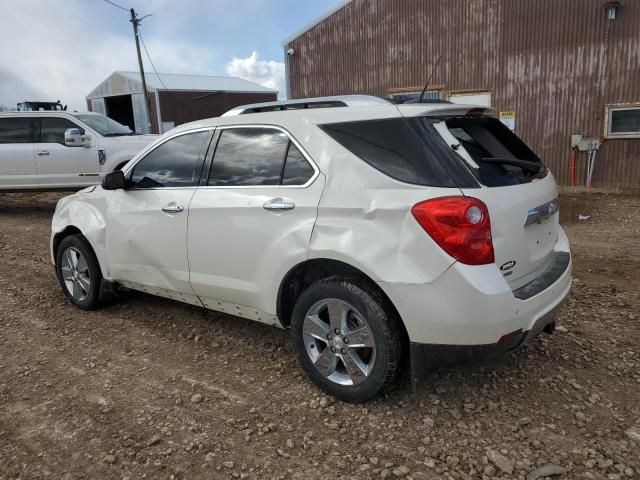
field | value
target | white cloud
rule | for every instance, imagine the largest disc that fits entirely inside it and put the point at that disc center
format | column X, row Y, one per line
column 265, row 72
column 12, row 88
column 58, row 54
column 59, row 50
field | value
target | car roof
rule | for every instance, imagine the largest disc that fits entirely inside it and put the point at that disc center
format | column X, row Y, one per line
column 375, row 110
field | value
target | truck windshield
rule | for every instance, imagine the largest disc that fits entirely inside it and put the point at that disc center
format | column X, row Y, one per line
column 105, row 126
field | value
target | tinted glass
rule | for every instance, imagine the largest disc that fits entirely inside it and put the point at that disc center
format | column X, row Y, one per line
column 15, row 130
column 297, row 171
column 407, row 149
column 248, row 156
column 488, row 140
column 175, row 163
column 625, row 121
column 52, row 130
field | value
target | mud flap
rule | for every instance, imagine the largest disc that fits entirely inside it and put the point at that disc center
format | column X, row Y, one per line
column 108, row 291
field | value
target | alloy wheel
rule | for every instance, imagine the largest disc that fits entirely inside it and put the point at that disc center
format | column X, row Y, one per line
column 339, row 341
column 75, row 274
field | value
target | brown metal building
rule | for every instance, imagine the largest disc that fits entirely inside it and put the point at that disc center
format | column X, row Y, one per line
column 555, row 68
column 173, row 99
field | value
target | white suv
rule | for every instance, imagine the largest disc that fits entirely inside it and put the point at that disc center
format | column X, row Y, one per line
column 377, row 233
column 55, row 150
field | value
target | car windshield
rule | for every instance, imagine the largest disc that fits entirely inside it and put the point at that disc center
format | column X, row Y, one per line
column 105, row 126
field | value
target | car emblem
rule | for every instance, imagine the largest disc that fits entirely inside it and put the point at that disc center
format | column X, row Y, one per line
column 542, row 212
column 506, row 266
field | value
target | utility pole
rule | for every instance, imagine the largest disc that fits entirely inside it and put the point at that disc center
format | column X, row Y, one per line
column 135, row 21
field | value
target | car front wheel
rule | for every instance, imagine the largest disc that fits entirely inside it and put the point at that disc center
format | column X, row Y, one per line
column 78, row 271
column 346, row 341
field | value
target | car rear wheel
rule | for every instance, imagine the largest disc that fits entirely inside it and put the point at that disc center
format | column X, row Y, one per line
column 346, row 341
column 78, row 271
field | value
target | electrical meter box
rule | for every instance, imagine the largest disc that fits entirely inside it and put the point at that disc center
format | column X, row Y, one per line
column 585, row 144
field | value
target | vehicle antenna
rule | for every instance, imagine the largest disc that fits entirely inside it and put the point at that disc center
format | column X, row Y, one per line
column 429, row 80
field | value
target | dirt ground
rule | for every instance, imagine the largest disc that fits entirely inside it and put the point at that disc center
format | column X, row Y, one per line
column 149, row 388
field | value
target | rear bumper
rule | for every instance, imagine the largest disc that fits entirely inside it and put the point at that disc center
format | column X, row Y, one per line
column 426, row 357
column 471, row 312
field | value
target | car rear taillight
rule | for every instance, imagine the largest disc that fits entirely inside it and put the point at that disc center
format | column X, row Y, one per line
column 460, row 225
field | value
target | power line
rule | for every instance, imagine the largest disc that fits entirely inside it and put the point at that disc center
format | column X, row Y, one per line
column 177, row 100
column 135, row 22
column 151, row 61
column 116, row 5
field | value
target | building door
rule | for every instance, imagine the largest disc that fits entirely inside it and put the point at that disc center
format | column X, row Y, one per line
column 120, row 109
column 471, row 98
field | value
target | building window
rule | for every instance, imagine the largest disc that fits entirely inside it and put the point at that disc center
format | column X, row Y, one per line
column 623, row 121
column 413, row 95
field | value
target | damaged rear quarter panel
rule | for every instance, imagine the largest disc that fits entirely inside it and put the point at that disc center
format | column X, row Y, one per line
column 364, row 219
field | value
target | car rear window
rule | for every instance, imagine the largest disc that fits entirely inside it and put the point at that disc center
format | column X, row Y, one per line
column 502, row 158
column 248, row 156
column 406, row 149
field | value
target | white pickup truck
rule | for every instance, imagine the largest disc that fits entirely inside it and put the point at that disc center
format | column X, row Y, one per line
column 62, row 150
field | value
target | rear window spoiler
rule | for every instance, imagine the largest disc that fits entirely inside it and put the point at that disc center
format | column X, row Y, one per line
column 446, row 110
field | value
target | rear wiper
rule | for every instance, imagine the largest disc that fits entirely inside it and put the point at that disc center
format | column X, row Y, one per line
column 526, row 165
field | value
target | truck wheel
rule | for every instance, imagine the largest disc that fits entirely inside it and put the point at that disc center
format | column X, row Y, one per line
column 346, row 341
column 78, row 271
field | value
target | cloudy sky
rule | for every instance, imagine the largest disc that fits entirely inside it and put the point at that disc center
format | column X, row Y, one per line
column 62, row 49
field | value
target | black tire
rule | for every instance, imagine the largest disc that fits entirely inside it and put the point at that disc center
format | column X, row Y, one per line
column 89, row 300
column 382, row 323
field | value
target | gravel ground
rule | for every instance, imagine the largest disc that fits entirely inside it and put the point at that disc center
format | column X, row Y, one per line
column 149, row 388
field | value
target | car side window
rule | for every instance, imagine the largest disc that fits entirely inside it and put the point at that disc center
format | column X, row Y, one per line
column 297, row 170
column 52, row 130
column 15, row 130
column 175, row 163
column 248, row 156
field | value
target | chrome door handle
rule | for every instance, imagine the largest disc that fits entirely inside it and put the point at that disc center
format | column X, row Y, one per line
column 43, row 153
column 173, row 209
column 279, row 203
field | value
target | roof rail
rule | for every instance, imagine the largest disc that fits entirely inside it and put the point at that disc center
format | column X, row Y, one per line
column 318, row 102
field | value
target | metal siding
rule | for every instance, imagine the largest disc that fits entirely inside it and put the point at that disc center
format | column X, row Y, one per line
column 117, row 84
column 140, row 113
column 556, row 63
column 196, row 83
column 123, row 83
column 97, row 105
column 183, row 107
column 153, row 105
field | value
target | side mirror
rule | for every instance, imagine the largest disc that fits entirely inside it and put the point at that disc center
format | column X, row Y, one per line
column 73, row 137
column 114, row 181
